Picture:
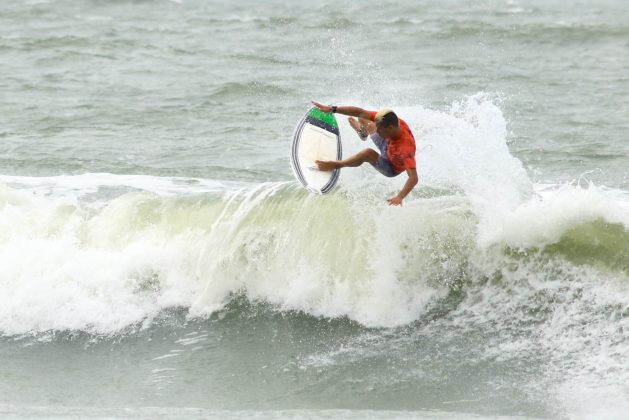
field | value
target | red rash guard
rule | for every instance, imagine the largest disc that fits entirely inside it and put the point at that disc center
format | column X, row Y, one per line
column 401, row 150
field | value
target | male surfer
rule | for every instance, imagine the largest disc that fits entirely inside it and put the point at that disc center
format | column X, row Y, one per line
column 392, row 137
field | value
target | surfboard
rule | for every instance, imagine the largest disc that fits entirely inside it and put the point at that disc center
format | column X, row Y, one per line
column 316, row 137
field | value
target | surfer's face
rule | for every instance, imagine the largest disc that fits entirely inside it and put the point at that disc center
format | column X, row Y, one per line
column 386, row 131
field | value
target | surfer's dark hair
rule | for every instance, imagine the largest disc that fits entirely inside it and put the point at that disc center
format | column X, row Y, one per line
column 388, row 119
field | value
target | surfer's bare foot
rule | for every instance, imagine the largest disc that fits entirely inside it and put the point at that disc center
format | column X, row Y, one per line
column 328, row 165
column 360, row 128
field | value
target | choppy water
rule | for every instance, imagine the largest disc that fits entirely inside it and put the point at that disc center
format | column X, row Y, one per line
column 159, row 260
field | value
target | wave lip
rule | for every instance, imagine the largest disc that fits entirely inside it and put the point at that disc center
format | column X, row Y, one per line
column 548, row 217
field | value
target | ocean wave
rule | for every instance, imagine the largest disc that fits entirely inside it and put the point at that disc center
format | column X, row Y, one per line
column 101, row 252
column 69, row 266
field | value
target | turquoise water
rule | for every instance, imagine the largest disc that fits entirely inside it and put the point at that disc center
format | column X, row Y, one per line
column 160, row 261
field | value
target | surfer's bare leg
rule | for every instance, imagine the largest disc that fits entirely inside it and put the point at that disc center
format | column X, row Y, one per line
column 362, row 126
column 366, row 155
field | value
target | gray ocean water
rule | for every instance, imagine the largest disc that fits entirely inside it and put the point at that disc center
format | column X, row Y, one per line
column 160, row 261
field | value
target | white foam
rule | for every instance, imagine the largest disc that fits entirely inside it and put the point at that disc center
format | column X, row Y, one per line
column 66, row 267
column 76, row 186
column 462, row 148
column 102, row 269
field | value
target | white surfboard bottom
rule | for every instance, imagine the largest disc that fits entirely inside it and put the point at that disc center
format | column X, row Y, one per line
column 315, row 144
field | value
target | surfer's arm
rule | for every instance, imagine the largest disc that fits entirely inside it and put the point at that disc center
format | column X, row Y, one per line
column 352, row 111
column 412, row 180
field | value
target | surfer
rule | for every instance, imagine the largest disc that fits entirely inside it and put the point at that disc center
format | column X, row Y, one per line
column 391, row 135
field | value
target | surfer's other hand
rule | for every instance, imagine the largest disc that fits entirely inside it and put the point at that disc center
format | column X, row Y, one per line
column 324, row 108
column 395, row 201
